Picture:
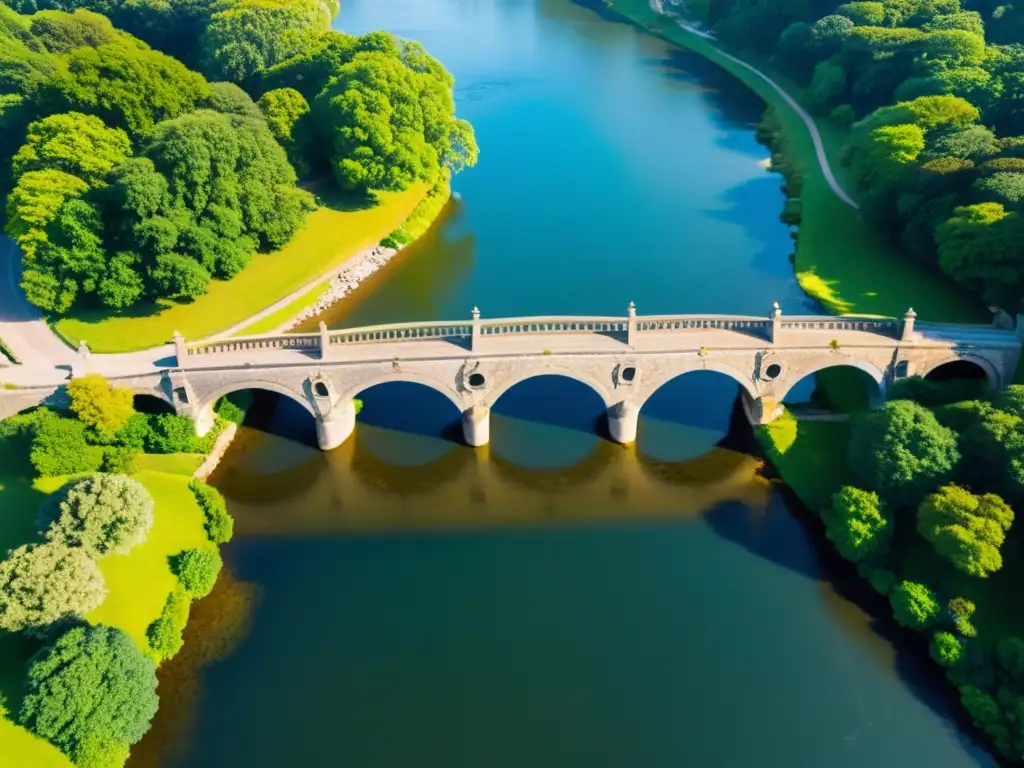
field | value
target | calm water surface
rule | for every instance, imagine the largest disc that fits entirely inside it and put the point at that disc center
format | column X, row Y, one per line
column 553, row 600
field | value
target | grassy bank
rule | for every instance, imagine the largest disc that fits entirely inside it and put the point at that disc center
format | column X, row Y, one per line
column 841, row 260
column 138, row 583
column 419, row 221
column 331, row 236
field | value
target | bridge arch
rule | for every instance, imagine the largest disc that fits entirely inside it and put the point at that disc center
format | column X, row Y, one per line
column 872, row 370
column 405, row 377
column 652, row 386
column 992, row 377
column 534, row 372
column 210, row 399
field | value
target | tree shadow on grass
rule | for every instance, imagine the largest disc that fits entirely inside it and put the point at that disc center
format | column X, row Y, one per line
column 329, row 196
column 19, row 500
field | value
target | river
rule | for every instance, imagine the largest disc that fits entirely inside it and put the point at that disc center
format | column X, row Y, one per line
column 552, row 599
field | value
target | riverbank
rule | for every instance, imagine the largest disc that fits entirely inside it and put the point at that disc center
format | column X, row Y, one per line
column 336, row 232
column 316, row 298
column 138, row 583
column 840, row 260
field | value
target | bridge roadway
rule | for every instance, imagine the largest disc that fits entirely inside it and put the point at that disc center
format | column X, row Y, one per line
column 473, row 362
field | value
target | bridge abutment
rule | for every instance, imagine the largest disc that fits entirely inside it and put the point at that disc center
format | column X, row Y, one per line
column 476, row 425
column 205, row 420
column 622, row 422
column 337, row 427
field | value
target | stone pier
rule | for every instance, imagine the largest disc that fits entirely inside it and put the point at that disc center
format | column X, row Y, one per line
column 476, row 426
column 622, row 422
column 337, row 427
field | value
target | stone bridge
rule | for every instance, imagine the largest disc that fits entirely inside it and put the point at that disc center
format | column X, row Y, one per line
column 473, row 362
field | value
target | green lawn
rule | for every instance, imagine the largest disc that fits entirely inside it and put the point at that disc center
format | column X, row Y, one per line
column 138, row 582
column 809, row 455
column 330, row 237
column 841, row 260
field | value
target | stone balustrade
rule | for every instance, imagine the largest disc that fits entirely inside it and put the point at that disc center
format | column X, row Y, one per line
column 513, row 326
column 887, row 326
column 300, row 341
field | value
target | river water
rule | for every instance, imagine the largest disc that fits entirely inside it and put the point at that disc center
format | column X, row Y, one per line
column 552, row 600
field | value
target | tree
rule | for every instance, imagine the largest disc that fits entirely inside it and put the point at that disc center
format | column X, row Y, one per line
column 219, row 526
column 974, row 142
column 1004, row 188
column 979, row 247
column 311, row 70
column 59, row 446
column 197, row 570
column 229, row 99
column 77, row 144
column 247, row 37
column 164, row 634
column 100, row 513
column 857, row 524
column 827, row 85
column 967, row 530
column 390, row 121
column 946, row 649
column 178, row 277
column 127, row 84
column 100, row 405
column 63, row 32
column 285, row 110
column 90, row 691
column 865, row 14
column 914, row 605
column 994, row 446
column 901, row 451
column 34, row 203
column 41, row 584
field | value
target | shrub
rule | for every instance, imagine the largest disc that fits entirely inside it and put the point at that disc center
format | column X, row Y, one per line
column 229, row 410
column 100, row 513
column 99, row 405
column 946, row 649
column 44, row 583
column 173, row 433
column 967, row 530
column 220, row 527
column 961, row 607
column 901, row 451
column 197, row 570
column 91, row 693
column 136, row 433
column 120, row 460
column 914, row 605
column 164, row 634
column 59, row 447
column 857, row 524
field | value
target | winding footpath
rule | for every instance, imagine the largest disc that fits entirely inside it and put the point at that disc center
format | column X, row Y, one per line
column 819, row 147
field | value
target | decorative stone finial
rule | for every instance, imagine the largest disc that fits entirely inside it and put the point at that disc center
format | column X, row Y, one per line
column 911, row 313
column 83, row 348
column 322, row 326
column 776, row 309
column 632, row 309
column 476, row 313
column 177, row 335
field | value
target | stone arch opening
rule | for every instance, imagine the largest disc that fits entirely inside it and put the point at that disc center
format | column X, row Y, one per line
column 528, row 409
column 151, row 404
column 962, row 379
column 837, row 387
column 411, row 407
column 277, row 411
column 687, row 415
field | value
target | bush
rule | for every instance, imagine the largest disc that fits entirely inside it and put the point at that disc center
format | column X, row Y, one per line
column 220, row 527
column 44, row 583
column 913, row 605
column 136, row 433
column 231, row 411
column 164, row 634
column 59, row 447
column 901, row 451
column 102, row 514
column 99, row 405
column 119, row 460
column 857, row 524
column 932, row 394
column 946, row 649
column 197, row 570
column 92, row 693
column 966, row 529
column 173, row 433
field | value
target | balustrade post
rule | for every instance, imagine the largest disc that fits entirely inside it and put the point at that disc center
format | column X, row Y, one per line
column 325, row 340
column 180, row 350
column 631, row 323
column 474, row 339
column 908, row 325
column 775, row 330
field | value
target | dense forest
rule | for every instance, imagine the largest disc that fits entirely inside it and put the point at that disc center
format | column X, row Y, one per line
column 936, row 117
column 148, row 147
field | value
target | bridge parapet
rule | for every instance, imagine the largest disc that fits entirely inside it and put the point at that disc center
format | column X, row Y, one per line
column 885, row 326
column 300, row 341
column 374, row 334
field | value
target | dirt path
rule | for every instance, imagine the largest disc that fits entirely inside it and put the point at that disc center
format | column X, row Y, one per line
column 819, row 147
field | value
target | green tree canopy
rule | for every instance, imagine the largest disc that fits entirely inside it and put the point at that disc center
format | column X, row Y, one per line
column 901, row 451
column 73, row 143
column 857, row 524
column 102, row 514
column 101, row 405
column 914, row 605
column 966, row 529
column 90, row 692
column 41, row 584
column 979, row 247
